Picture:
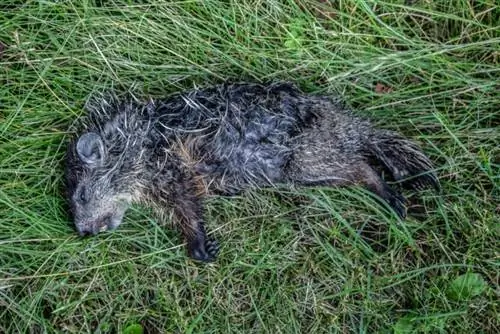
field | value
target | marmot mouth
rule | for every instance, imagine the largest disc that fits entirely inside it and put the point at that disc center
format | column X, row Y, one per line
column 96, row 226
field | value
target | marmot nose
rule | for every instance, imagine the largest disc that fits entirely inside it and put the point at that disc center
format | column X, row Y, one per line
column 83, row 231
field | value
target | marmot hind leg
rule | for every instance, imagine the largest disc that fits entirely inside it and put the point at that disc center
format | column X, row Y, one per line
column 403, row 158
column 336, row 174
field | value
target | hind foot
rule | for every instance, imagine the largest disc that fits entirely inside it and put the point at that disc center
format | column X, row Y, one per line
column 204, row 250
column 421, row 182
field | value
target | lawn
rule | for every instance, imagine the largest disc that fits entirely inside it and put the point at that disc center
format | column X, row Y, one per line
column 303, row 261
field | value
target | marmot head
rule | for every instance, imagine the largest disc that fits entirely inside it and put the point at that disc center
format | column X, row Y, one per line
column 98, row 184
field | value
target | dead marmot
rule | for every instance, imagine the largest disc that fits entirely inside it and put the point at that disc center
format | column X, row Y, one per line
column 168, row 153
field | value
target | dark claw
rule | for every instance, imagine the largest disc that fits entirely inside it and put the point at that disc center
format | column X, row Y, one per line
column 434, row 182
column 398, row 204
column 396, row 201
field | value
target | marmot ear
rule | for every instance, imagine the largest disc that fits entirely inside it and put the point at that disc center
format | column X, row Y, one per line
column 90, row 149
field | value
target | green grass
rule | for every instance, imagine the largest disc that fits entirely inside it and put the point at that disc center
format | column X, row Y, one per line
column 317, row 261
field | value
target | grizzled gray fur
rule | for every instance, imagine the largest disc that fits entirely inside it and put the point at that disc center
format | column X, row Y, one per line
column 169, row 153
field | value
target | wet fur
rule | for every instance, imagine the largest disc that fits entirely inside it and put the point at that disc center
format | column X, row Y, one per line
column 169, row 153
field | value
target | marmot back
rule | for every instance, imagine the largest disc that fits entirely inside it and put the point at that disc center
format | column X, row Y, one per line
column 168, row 153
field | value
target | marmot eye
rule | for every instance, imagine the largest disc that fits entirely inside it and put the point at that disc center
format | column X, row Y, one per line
column 82, row 196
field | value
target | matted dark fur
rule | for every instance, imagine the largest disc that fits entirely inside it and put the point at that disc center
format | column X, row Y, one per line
column 169, row 153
